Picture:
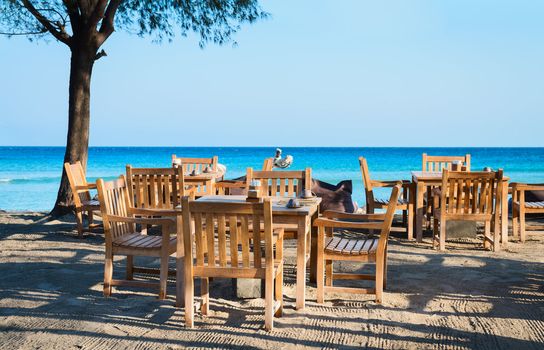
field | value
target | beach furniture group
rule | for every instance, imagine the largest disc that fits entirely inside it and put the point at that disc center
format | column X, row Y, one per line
column 217, row 228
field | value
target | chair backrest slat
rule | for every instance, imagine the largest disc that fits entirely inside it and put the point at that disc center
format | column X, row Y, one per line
column 257, row 238
column 221, row 229
column 233, row 235
column 199, row 241
column 466, row 193
column 281, row 183
column 155, row 188
column 439, row 163
column 222, row 239
column 210, row 239
column 114, row 200
column 244, row 228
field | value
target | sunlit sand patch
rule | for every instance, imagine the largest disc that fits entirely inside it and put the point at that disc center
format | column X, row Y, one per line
column 463, row 261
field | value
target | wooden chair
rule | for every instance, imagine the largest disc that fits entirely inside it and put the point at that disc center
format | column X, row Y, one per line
column 281, row 183
column 521, row 207
column 470, row 196
column 82, row 196
column 373, row 203
column 203, row 186
column 122, row 237
column 157, row 188
column 220, row 231
column 439, row 163
column 197, row 164
column 226, row 186
column 337, row 248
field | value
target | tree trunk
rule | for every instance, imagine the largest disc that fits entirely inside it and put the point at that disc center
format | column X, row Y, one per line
column 77, row 144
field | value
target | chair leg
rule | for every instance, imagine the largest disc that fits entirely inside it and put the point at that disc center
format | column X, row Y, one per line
column 279, row 292
column 189, row 299
column 79, row 223
column 163, row 275
column 442, row 243
column 108, row 273
column 130, row 267
column 320, row 272
column 328, row 273
column 410, row 227
column 522, row 225
column 436, row 233
column 404, row 218
column 90, row 218
column 379, row 278
column 429, row 208
column 269, row 300
column 487, row 235
column 385, row 269
column 205, row 294
column 515, row 222
column 497, row 233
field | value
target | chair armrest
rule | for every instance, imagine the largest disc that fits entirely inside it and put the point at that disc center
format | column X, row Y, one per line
column 154, row 212
column 348, row 224
column 141, row 221
column 334, row 214
column 389, row 183
column 89, row 186
column 517, row 186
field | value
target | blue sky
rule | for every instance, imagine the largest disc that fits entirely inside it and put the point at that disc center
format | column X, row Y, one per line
column 317, row 73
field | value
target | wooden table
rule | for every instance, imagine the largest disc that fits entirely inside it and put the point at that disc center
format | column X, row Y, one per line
column 303, row 217
column 206, row 180
column 424, row 179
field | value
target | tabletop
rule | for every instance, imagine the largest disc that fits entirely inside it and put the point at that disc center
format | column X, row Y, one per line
column 279, row 204
column 426, row 175
column 204, row 176
column 434, row 176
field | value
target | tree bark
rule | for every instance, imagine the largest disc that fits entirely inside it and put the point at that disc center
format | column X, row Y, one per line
column 83, row 55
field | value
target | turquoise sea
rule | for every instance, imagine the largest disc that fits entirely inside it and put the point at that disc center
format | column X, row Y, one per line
column 29, row 176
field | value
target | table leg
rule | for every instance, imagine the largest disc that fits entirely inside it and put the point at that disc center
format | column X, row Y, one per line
column 313, row 252
column 180, row 273
column 420, row 210
column 504, row 213
column 301, row 262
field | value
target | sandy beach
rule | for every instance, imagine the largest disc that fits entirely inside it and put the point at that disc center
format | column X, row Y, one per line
column 51, row 298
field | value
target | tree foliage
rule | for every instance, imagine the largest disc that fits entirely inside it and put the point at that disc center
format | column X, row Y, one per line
column 213, row 20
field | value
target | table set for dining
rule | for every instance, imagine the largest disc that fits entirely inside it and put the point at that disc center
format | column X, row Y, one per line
column 423, row 180
column 219, row 235
column 302, row 217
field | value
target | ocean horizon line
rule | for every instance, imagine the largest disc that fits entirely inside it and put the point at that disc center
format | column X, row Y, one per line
column 279, row 146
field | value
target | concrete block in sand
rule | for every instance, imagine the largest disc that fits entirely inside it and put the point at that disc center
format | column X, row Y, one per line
column 461, row 229
column 248, row 288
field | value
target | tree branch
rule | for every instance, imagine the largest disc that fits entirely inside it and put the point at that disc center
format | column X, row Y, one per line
column 98, row 12
column 60, row 35
column 73, row 12
column 107, row 27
